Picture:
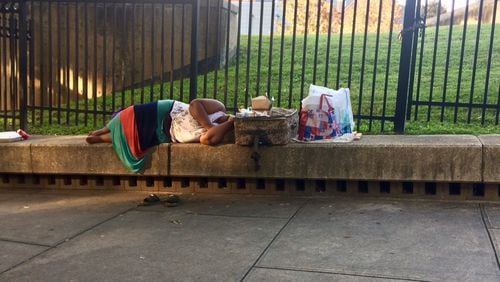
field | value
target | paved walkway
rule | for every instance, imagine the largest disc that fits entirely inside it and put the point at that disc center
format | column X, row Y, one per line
column 91, row 236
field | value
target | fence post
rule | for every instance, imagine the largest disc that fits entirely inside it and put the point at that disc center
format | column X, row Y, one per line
column 23, row 63
column 404, row 66
column 193, row 83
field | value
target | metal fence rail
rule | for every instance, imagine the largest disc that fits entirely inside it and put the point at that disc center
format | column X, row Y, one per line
column 74, row 63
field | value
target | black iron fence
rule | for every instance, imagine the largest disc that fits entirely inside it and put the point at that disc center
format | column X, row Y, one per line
column 74, row 63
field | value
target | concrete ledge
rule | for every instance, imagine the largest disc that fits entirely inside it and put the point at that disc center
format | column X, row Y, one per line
column 71, row 155
column 15, row 157
column 434, row 158
column 451, row 158
column 491, row 158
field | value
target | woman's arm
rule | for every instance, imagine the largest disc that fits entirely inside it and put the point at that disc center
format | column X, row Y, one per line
column 201, row 108
column 215, row 134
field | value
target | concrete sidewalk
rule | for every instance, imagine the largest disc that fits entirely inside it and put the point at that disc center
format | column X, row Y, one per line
column 104, row 236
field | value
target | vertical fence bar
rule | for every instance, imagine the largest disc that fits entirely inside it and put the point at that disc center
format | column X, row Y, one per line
column 433, row 72
column 104, row 64
column 162, row 50
column 86, row 64
column 422, row 45
column 123, row 42
column 143, row 50
column 2, row 51
column 31, row 45
column 94, row 76
column 413, row 62
column 488, row 68
column 59, row 58
column 113, row 49
column 3, row 63
column 226, row 71
column 377, row 41
column 132, row 92
column 172, row 49
column 23, row 62
column 476, row 51
column 388, row 64
column 448, row 51
column 68, row 53
column 181, row 81
column 304, row 52
column 363, row 57
column 205, row 69
column 259, row 52
column 282, row 45
column 41, row 51
column 77, row 64
column 317, row 42
column 352, row 43
column 237, row 67
column 249, row 46
column 13, row 25
column 153, row 52
column 460, row 68
column 217, row 48
column 271, row 42
column 193, row 83
column 404, row 66
column 292, row 61
column 341, row 36
column 327, row 62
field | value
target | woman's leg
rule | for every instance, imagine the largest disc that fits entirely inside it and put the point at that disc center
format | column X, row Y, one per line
column 99, row 136
column 98, row 132
column 201, row 108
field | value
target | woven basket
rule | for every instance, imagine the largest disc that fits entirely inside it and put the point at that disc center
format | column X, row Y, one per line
column 277, row 129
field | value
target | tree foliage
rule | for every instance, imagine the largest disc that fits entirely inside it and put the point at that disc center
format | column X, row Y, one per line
column 432, row 9
column 307, row 12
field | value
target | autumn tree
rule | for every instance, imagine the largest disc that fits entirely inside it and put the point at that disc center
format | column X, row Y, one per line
column 308, row 10
column 432, row 9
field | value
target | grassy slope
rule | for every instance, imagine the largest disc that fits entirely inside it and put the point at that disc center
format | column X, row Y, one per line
column 252, row 80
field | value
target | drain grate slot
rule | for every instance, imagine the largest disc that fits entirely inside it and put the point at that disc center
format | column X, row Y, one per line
column 280, row 184
column 185, row 183
column 300, row 185
column 203, row 183
column 241, row 184
column 430, row 188
column 407, row 188
column 478, row 189
column 320, row 186
column 341, row 186
column 167, row 182
column 454, row 189
column 363, row 187
column 221, row 183
column 261, row 184
column 385, row 187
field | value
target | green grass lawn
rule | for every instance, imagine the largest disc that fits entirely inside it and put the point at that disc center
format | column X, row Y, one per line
column 373, row 84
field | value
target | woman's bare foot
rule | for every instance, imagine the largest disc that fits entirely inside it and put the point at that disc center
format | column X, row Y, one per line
column 102, row 138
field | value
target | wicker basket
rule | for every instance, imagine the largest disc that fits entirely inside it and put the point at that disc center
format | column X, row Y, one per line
column 277, row 129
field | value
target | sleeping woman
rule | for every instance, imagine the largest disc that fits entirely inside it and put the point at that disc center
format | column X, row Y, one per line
column 138, row 128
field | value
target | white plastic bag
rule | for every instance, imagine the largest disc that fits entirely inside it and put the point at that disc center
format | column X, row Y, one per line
column 340, row 100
